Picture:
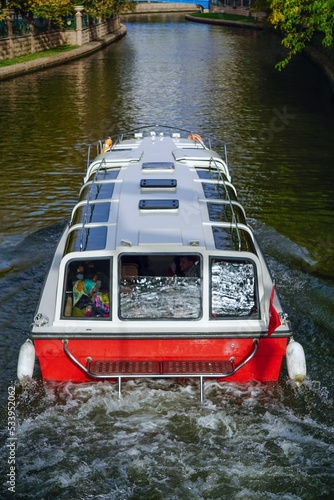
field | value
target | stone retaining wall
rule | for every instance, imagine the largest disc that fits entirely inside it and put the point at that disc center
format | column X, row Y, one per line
column 17, row 46
column 27, row 44
column 41, row 63
column 150, row 7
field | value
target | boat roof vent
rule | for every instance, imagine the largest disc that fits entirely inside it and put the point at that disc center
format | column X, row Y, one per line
column 158, row 165
column 158, row 204
column 158, row 183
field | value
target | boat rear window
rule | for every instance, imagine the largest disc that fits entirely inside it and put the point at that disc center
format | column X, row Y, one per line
column 87, row 289
column 160, row 287
column 233, row 288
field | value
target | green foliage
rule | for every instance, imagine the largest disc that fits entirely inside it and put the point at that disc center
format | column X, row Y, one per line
column 299, row 21
column 53, row 9
column 105, row 8
column 47, row 9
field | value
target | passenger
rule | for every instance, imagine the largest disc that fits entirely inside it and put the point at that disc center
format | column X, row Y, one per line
column 75, row 274
column 101, row 305
column 83, row 293
column 88, row 301
column 79, row 273
column 174, row 268
column 189, row 266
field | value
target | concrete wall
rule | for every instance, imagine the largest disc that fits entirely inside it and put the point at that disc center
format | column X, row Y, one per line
column 17, row 46
column 239, row 11
column 148, row 7
column 27, row 44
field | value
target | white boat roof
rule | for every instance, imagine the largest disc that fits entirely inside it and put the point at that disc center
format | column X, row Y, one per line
column 158, row 190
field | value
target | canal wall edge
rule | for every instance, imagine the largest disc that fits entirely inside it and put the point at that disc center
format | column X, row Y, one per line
column 323, row 62
column 63, row 58
column 223, row 22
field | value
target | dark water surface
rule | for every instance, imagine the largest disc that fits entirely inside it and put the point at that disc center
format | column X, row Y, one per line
column 255, row 441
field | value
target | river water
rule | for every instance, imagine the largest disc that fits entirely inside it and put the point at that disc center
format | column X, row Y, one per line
column 252, row 441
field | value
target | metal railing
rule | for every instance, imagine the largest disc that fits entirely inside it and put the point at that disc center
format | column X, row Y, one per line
column 3, row 29
column 85, row 221
column 126, row 376
column 234, row 221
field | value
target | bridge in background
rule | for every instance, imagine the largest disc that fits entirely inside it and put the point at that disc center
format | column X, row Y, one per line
column 204, row 4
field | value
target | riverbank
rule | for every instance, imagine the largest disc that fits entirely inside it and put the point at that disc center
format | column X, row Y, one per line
column 41, row 63
column 225, row 20
column 323, row 62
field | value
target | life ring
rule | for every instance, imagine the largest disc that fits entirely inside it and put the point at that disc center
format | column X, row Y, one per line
column 107, row 145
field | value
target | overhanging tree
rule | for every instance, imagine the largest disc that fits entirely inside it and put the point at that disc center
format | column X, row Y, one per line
column 299, row 21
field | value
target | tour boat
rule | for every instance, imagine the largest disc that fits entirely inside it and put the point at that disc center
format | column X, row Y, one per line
column 158, row 274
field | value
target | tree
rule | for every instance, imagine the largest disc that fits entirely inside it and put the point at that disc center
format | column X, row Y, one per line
column 299, row 21
column 53, row 9
column 104, row 8
column 47, row 9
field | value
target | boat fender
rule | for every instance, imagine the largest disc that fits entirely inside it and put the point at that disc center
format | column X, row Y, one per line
column 295, row 361
column 26, row 361
column 107, row 145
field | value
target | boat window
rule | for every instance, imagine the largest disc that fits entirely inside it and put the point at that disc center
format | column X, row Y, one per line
column 233, row 288
column 221, row 212
column 160, row 286
column 97, row 191
column 91, row 212
column 207, row 173
column 218, row 190
column 227, row 238
column 87, row 289
column 86, row 238
column 105, row 174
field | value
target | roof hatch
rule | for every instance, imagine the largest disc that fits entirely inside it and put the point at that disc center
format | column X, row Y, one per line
column 158, row 204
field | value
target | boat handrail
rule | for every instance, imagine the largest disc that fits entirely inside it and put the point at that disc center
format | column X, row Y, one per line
column 119, row 376
column 99, row 148
column 87, row 203
column 118, row 138
column 234, row 218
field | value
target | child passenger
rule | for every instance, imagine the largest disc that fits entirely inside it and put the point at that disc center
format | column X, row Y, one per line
column 87, row 301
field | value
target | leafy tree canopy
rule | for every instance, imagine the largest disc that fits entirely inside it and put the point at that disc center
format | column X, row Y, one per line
column 299, row 20
column 53, row 9
column 47, row 9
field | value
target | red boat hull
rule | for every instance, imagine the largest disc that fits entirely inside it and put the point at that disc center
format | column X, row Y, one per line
column 264, row 366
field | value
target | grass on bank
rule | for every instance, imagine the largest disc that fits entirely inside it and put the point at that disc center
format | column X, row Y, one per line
column 225, row 17
column 36, row 55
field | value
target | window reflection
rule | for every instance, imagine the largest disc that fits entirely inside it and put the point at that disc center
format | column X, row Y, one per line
column 233, row 288
column 160, row 286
